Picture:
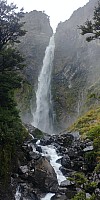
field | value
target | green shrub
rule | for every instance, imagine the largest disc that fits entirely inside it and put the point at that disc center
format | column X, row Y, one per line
column 97, row 168
column 80, row 196
column 94, row 133
column 90, row 187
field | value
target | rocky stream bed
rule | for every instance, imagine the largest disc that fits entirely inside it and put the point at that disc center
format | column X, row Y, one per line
column 37, row 178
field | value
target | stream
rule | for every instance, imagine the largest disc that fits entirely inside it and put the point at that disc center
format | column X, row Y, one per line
column 43, row 115
column 49, row 152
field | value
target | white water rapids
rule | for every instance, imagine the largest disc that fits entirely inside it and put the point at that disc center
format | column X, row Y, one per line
column 42, row 117
column 48, row 151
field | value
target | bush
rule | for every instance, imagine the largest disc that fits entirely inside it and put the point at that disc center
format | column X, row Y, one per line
column 80, row 196
column 94, row 133
column 90, row 187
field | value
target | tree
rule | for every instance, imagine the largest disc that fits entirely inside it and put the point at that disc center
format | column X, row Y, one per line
column 10, row 25
column 12, row 132
column 92, row 28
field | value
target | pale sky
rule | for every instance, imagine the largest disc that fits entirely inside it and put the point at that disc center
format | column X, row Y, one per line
column 58, row 10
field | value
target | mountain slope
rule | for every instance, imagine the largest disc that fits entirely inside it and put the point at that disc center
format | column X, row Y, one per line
column 76, row 66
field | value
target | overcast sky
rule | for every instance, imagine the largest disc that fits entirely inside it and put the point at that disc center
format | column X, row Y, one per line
column 58, row 10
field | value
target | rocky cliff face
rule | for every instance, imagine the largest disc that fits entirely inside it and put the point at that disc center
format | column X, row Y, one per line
column 34, row 43
column 32, row 46
column 76, row 69
column 76, row 66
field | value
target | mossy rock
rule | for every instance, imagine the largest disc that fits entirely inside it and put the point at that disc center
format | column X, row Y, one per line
column 38, row 133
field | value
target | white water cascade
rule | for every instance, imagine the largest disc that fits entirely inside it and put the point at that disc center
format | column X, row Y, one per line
column 42, row 117
column 50, row 151
column 47, row 151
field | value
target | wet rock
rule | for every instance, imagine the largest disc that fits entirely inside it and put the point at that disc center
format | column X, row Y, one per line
column 44, row 176
column 72, row 153
column 27, row 192
column 89, row 148
column 61, row 150
column 23, row 169
column 34, row 155
column 97, row 192
column 65, row 139
column 66, row 183
column 47, row 140
column 76, row 135
column 61, row 190
column 34, row 140
column 59, row 197
column 66, row 171
column 29, row 196
column 39, row 149
column 58, row 161
column 65, row 161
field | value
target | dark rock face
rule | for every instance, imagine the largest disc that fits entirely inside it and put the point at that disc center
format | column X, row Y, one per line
column 32, row 47
column 76, row 66
column 34, row 43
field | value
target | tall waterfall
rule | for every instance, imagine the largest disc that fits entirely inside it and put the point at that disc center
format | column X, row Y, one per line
column 43, row 116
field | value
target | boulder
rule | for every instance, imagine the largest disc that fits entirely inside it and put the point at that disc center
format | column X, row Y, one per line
column 27, row 192
column 88, row 148
column 66, row 172
column 23, row 169
column 61, row 150
column 65, row 161
column 39, row 149
column 77, row 165
column 72, row 152
column 65, row 139
column 67, row 183
column 44, row 176
column 59, row 197
column 47, row 140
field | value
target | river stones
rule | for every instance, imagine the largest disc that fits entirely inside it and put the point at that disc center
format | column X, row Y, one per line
column 65, row 139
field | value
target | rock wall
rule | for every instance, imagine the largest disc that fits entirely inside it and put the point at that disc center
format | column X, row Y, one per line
column 76, row 69
column 32, row 47
column 34, row 43
column 76, row 66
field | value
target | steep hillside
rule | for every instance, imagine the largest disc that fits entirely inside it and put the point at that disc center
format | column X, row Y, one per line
column 76, row 66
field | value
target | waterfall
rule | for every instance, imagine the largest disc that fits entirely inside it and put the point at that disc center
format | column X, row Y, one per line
column 43, row 115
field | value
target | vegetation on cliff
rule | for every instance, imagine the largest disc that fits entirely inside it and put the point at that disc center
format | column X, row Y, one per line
column 76, row 66
column 92, row 28
column 12, row 132
column 89, row 125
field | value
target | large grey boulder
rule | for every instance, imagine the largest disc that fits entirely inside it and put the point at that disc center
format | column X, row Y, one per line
column 39, row 173
column 45, row 176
